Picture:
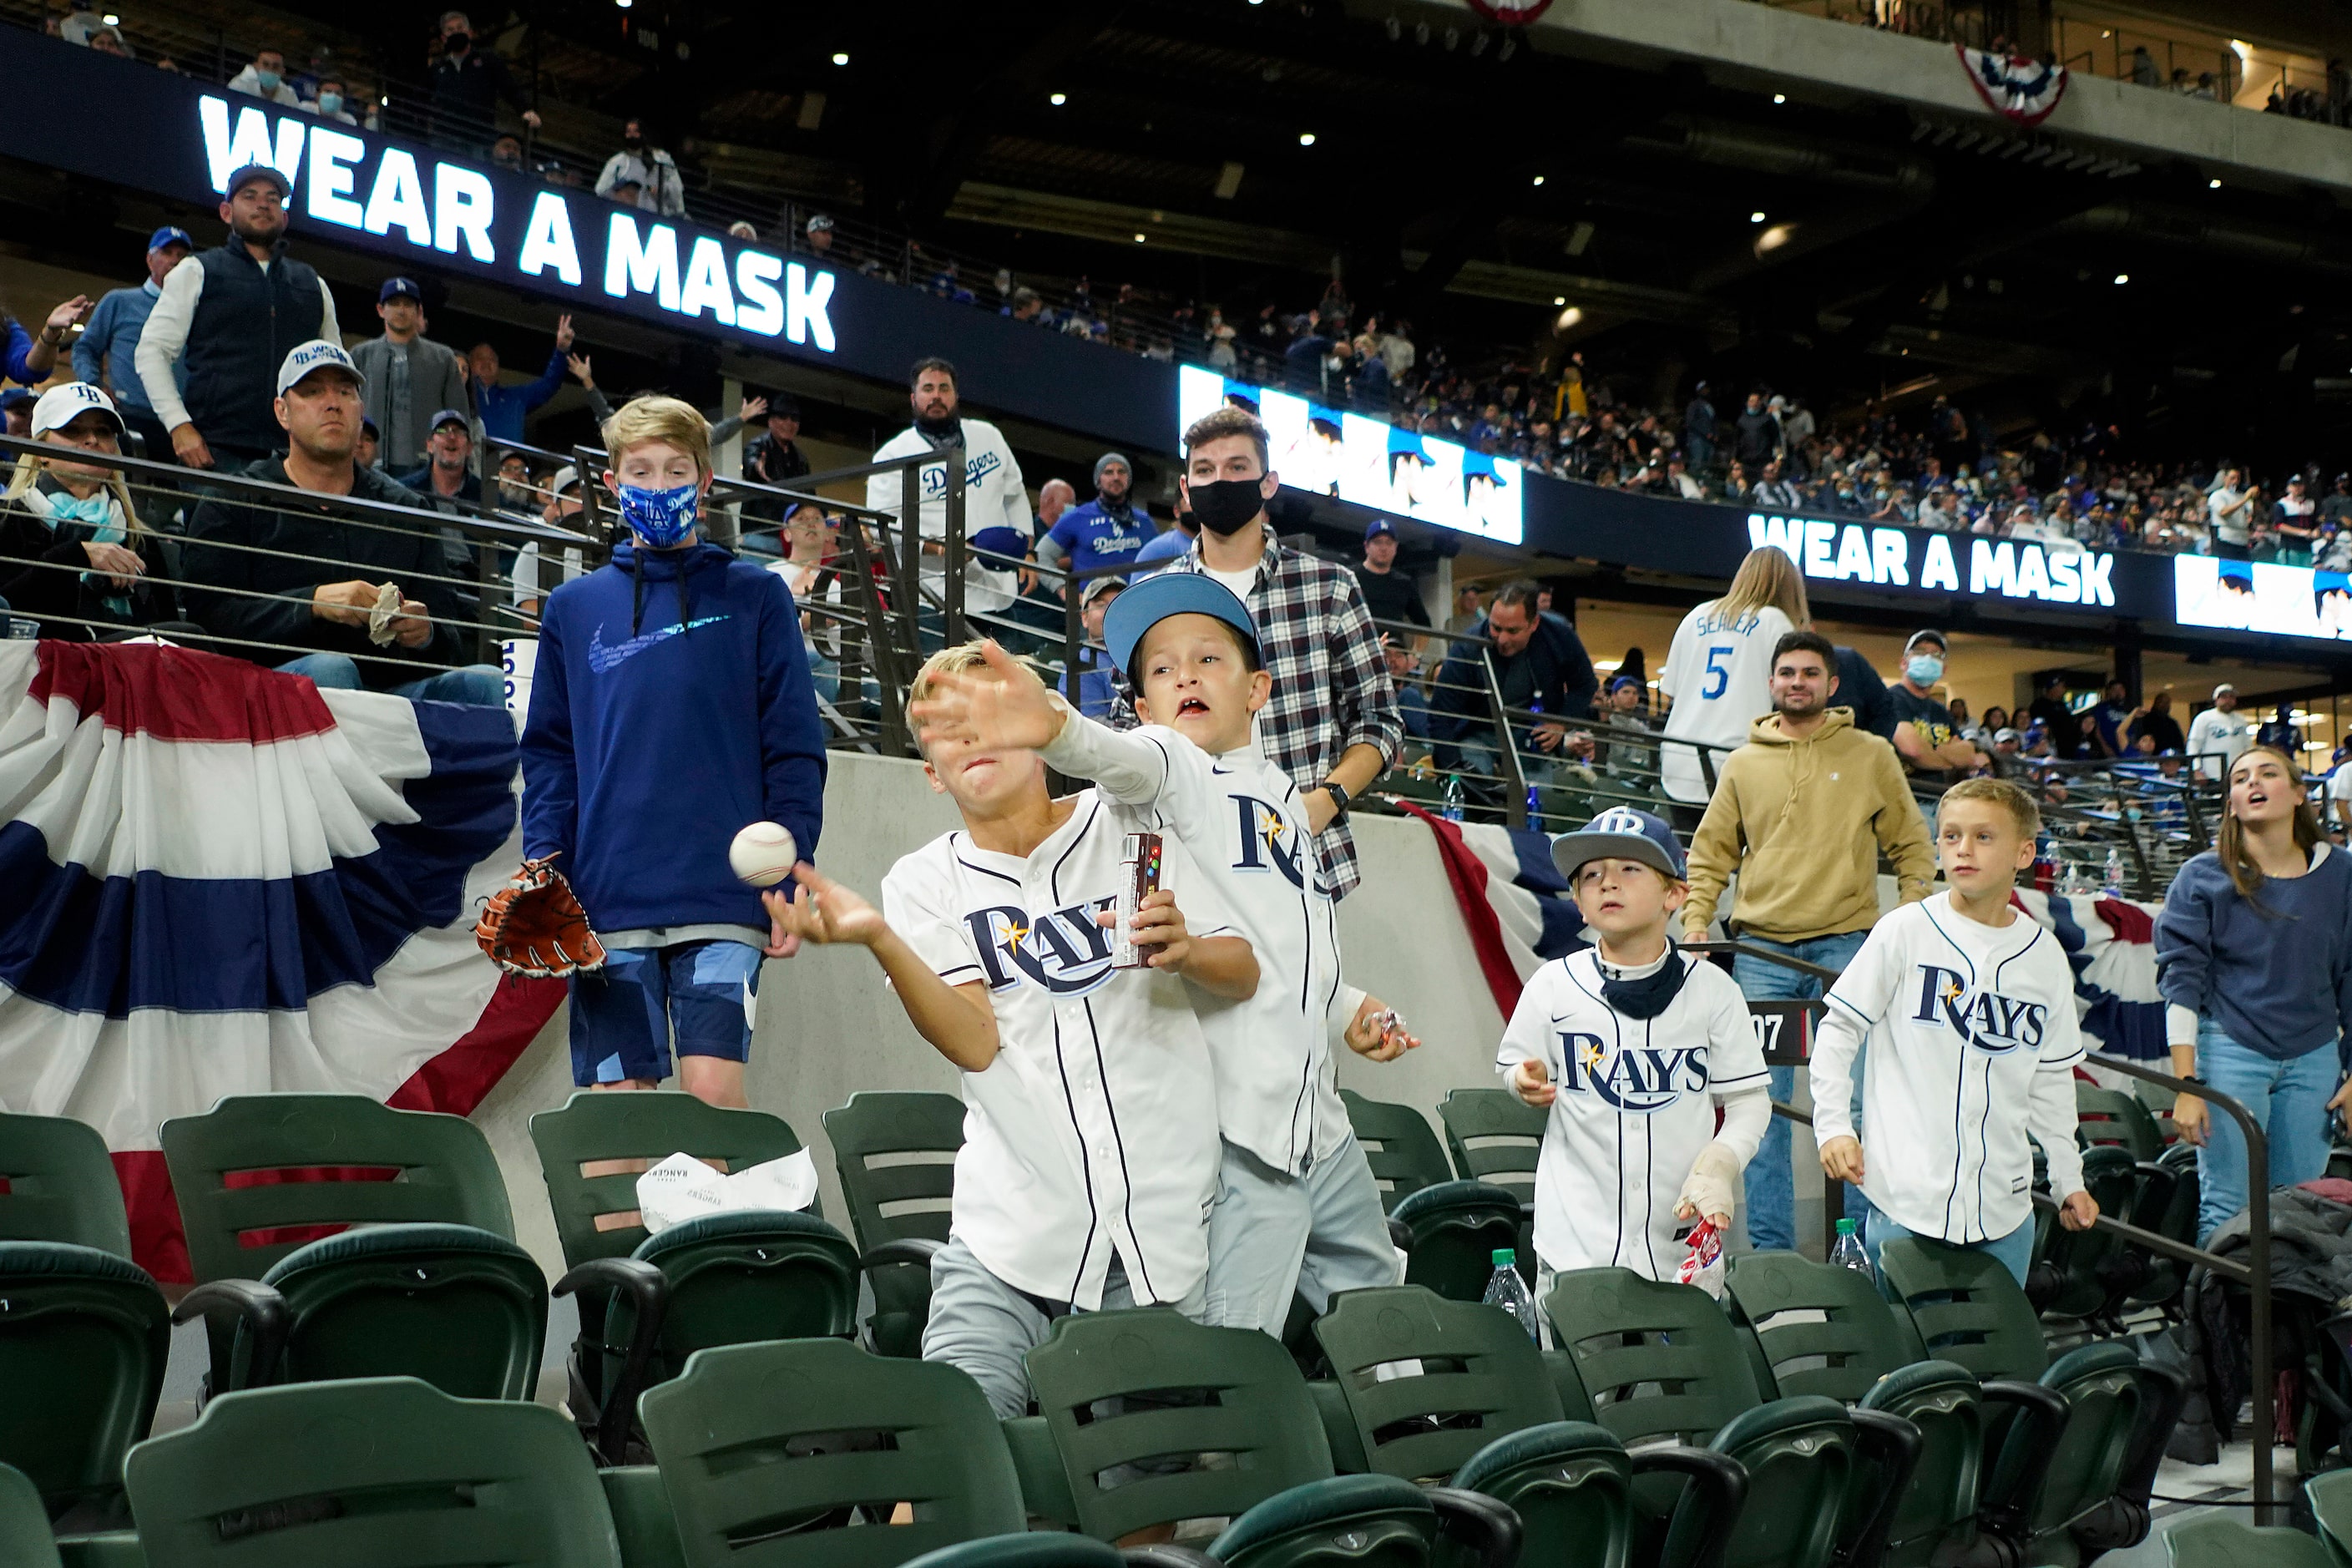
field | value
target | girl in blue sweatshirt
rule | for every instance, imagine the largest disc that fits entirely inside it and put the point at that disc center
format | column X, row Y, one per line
column 2255, row 959
column 670, row 707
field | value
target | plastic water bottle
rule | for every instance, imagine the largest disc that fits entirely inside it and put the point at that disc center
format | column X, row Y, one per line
column 1450, row 805
column 1508, row 1292
column 2115, row 877
column 1848, row 1253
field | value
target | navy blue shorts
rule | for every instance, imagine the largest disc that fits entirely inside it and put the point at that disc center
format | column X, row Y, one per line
column 625, row 1015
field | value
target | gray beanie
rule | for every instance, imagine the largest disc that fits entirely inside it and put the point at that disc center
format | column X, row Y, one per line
column 1108, row 458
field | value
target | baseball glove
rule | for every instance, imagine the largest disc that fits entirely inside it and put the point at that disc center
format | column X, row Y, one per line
column 535, row 926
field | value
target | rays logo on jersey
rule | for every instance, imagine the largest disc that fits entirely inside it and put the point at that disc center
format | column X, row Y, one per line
column 1268, row 841
column 1639, row 1081
column 1985, row 1020
column 1065, row 953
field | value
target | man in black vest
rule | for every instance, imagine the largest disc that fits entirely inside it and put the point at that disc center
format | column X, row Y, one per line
column 234, row 313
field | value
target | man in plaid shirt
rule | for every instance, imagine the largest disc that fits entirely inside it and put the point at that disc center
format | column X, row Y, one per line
column 1332, row 723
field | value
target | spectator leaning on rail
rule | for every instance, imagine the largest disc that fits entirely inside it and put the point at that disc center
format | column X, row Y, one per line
column 992, row 496
column 502, row 409
column 73, row 553
column 1539, row 663
column 1799, row 815
column 106, row 355
column 256, row 573
column 1332, row 722
column 408, row 376
column 234, row 315
column 1106, row 531
column 465, row 84
column 645, row 167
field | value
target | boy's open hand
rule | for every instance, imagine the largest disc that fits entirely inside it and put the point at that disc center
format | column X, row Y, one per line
column 1532, row 1081
column 2078, row 1211
column 1007, row 709
column 1841, row 1158
column 1376, row 1034
column 819, row 911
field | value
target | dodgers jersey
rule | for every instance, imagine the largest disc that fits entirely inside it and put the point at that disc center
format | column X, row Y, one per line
column 1095, row 1129
column 1972, row 1041
column 1718, row 672
column 1635, row 1105
column 1241, row 819
column 994, row 495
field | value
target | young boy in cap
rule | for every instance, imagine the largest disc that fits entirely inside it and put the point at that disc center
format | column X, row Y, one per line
column 1090, row 1143
column 1296, row 1209
column 1632, row 1045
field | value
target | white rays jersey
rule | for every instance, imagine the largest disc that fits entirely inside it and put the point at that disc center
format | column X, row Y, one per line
column 1972, row 1041
column 1635, row 1104
column 1095, row 1129
column 1241, row 818
column 1718, row 672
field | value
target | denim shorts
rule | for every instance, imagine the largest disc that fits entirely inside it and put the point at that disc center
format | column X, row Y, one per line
column 624, row 1015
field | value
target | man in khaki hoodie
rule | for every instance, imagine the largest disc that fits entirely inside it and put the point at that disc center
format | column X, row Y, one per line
column 1800, row 813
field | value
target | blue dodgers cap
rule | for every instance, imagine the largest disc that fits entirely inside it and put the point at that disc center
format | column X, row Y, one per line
column 253, row 172
column 1621, row 833
column 17, row 397
column 167, row 234
column 449, row 417
column 1008, row 545
column 1376, row 526
column 399, row 288
column 316, row 355
column 1166, row 593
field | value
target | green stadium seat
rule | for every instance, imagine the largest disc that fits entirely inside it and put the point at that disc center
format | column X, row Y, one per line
column 84, row 1336
column 24, row 1538
column 1571, row 1483
column 895, row 1156
column 2330, row 1496
column 57, row 1184
column 1452, row 1233
column 2216, row 1540
column 1494, row 1136
column 1399, row 1146
column 1040, row 1549
column 2089, row 1274
column 2109, row 1116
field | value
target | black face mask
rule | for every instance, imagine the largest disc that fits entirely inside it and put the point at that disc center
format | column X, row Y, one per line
column 457, row 43
column 1652, row 993
column 632, row 140
column 1225, row 506
column 938, row 430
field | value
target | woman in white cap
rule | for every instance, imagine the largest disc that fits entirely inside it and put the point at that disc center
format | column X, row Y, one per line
column 73, row 554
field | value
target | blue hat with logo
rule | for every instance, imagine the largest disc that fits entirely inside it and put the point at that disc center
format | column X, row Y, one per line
column 1160, row 596
column 316, row 355
column 253, row 172
column 1621, row 833
column 449, row 417
column 168, row 235
column 399, row 288
column 1009, row 543
column 1376, row 526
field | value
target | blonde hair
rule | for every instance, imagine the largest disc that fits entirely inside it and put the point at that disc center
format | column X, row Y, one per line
column 1766, row 577
column 2230, row 843
column 28, row 471
column 2003, row 794
column 959, row 659
column 654, row 417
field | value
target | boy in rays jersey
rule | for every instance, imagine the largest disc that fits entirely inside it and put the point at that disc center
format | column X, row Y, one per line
column 1967, row 1008
column 1632, row 1045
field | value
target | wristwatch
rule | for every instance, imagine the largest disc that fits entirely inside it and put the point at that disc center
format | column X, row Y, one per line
column 1339, row 798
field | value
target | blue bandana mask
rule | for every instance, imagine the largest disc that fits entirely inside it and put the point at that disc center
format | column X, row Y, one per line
column 661, row 518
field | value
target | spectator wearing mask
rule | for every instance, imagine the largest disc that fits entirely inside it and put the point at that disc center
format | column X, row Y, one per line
column 1756, row 434
column 1390, row 595
column 1923, row 732
column 235, row 315
column 1106, row 531
column 647, row 168
column 994, row 494
column 1055, row 497
column 408, row 375
column 335, row 100
column 465, row 84
column 265, row 77
column 1700, row 430
column 1539, row 663
column 502, row 409
column 73, row 553
column 448, row 475
column 263, row 577
column 107, row 352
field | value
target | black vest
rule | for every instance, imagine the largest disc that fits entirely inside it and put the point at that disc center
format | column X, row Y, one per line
column 246, row 322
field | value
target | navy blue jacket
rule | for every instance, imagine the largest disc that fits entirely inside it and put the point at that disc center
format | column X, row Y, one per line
column 246, row 322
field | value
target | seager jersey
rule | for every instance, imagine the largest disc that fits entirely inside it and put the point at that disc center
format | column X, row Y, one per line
column 1718, row 672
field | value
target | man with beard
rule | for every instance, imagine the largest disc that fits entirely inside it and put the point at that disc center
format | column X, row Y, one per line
column 993, row 496
column 234, row 313
column 1106, row 531
column 1799, row 814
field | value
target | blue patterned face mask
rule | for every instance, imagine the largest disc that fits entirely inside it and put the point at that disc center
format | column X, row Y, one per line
column 661, row 518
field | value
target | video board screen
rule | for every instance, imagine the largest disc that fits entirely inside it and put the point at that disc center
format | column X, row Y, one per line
column 2261, row 596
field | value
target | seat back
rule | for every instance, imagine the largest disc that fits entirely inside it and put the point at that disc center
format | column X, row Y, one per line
column 1801, row 1457
column 24, row 1538
column 2104, row 1394
column 1821, row 1330
column 377, row 1473
column 1030, row 1549
column 2216, row 1540
column 1399, row 1144
column 1456, row 1228
column 817, row 1433
column 1429, row 1381
column 1946, row 1404
column 739, row 1278
column 616, row 1136
column 896, row 1154
column 260, row 1174
column 2330, row 1496
column 84, row 1336
column 460, row 1309
column 57, row 1184
column 1209, row 1423
column 1494, row 1136
column 2108, row 1118
column 2079, row 1261
column 1658, row 1360
column 1571, row 1486
column 1966, row 1307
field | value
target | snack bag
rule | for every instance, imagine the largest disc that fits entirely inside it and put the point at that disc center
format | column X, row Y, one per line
column 1703, row 1264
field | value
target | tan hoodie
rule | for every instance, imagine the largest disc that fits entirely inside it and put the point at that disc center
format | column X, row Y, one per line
column 1802, row 823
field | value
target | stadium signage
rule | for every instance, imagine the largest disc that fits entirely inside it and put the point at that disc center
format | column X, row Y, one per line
column 1864, row 554
column 448, row 208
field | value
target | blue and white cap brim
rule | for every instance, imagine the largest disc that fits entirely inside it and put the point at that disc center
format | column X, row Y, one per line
column 1621, row 833
column 1157, row 597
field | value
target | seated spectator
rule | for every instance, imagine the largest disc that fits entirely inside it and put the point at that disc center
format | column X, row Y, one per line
column 371, row 444
column 517, row 494
column 447, row 478
column 1538, row 662
column 266, row 580
column 505, row 152
column 1095, row 692
column 503, row 408
column 265, row 77
column 644, row 169
column 1412, row 703
column 531, row 580
column 818, row 236
column 74, row 555
column 335, row 102
column 1625, row 760
column 1390, row 595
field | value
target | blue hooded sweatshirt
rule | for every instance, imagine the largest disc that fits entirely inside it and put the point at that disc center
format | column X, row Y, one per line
column 671, row 707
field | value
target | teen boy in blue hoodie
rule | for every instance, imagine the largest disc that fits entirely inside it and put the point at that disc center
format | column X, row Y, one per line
column 671, row 705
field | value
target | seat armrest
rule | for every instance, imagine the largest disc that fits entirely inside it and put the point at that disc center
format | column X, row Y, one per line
column 1486, row 1527
column 1167, row 1554
column 249, row 1304
column 2014, row 1469
column 1890, row 1445
column 648, row 1293
column 1704, row 1515
column 906, row 1249
column 1400, row 1236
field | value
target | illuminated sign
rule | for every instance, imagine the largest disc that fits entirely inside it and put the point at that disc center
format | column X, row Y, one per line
column 451, row 209
column 2258, row 596
column 1867, row 554
column 1354, row 458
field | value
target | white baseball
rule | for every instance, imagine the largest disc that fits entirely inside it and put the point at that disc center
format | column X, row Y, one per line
column 763, row 854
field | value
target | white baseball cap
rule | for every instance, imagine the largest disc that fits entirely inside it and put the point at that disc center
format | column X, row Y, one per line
column 2225, row 686
column 69, row 401
column 315, row 355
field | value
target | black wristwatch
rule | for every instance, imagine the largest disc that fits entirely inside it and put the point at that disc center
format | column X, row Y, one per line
column 1339, row 798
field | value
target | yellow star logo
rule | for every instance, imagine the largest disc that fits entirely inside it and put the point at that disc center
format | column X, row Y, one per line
column 1588, row 1054
column 1014, row 936
column 1952, row 991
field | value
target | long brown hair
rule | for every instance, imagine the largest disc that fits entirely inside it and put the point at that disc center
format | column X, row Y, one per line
column 2229, row 844
column 1766, row 577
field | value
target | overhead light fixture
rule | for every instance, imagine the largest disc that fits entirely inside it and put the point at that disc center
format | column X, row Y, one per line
column 1059, row 99
column 1559, row 298
column 841, row 59
column 1539, row 179
column 1780, row 97
column 1306, row 138
column 1755, row 218
column 2212, row 184
column 111, row 20
column 1138, row 239
column 1568, row 319
column 1773, row 238
column 2123, row 278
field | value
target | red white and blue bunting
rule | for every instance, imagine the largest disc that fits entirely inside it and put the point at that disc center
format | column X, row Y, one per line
column 2015, row 86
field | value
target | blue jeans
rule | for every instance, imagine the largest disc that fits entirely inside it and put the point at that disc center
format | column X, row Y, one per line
column 2015, row 1250
column 2288, row 1099
column 1771, row 1195
column 477, row 685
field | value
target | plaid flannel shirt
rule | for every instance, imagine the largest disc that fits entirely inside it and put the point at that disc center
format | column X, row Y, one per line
column 1331, row 687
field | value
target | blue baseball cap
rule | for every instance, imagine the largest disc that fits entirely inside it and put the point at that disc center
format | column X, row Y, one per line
column 1621, row 833
column 1001, row 540
column 1406, row 444
column 253, row 172
column 1163, row 594
column 399, row 288
column 1376, row 526
column 17, row 397
column 167, row 234
column 449, row 417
